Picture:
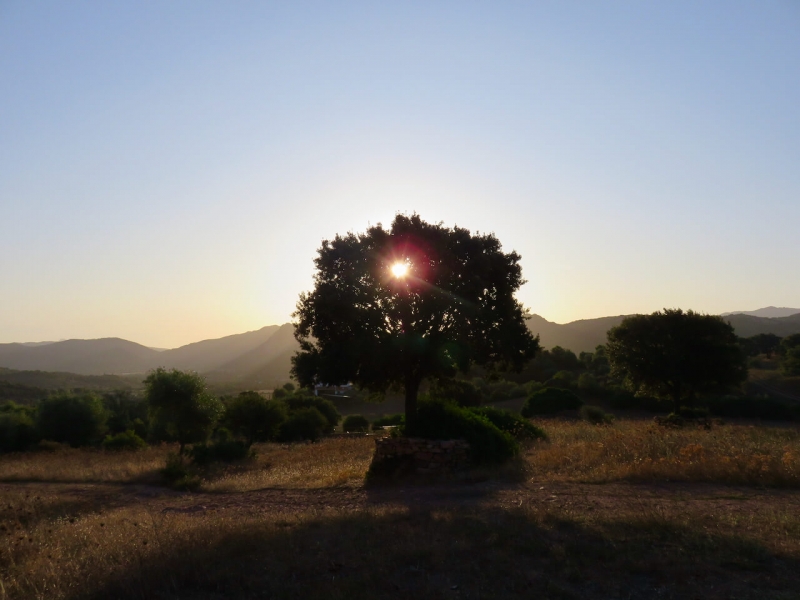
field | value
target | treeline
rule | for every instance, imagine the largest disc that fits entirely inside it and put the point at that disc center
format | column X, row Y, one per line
column 589, row 380
column 769, row 345
column 175, row 407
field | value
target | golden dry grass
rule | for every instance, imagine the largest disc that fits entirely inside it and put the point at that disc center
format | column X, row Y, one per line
column 330, row 462
column 643, row 451
column 82, row 465
column 640, row 549
column 65, row 541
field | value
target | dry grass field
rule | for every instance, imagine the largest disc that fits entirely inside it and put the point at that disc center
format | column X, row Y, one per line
column 626, row 511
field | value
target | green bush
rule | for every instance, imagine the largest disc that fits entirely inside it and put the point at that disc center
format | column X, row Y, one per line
column 507, row 421
column 303, row 424
column 179, row 474
column 443, row 421
column 325, row 407
column 549, row 401
column 353, row 423
column 596, row 415
column 223, row 450
column 388, row 421
column 463, row 393
column 255, row 418
column 562, row 379
column 127, row 440
column 17, row 432
column 74, row 419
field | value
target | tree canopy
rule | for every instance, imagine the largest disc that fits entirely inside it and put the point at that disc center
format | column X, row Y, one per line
column 392, row 307
column 180, row 406
column 675, row 354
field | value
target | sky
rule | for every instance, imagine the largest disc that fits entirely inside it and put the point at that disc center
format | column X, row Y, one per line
column 169, row 169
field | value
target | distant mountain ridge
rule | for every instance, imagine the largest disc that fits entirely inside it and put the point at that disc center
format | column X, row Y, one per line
column 263, row 357
column 237, row 356
column 769, row 312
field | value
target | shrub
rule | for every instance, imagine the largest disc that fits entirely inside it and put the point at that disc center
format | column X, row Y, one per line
column 178, row 473
column 354, row 423
column 325, row 407
column 255, row 418
column 127, row 440
column 444, row 420
column 388, row 421
column 588, row 383
column 596, row 415
column 224, row 450
column 562, row 379
column 74, row 419
column 303, row 424
column 507, row 421
column 548, row 401
column 17, row 432
column 463, row 393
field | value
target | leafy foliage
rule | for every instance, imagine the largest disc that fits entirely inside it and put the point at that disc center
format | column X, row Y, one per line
column 255, row 418
column 463, row 393
column 301, row 400
column 595, row 415
column 445, row 420
column 676, row 354
column 388, row 421
column 304, row 424
column 455, row 308
column 126, row 440
column 354, row 423
column 77, row 419
column 180, row 406
column 17, row 431
column 548, row 401
column 790, row 355
column 513, row 424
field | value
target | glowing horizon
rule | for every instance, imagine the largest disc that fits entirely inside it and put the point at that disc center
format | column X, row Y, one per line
column 169, row 171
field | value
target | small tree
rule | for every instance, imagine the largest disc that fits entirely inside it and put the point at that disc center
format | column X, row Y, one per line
column 790, row 355
column 77, row 419
column 417, row 301
column 180, row 406
column 255, row 418
column 676, row 355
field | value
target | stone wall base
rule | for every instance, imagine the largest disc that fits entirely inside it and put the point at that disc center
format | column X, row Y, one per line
column 420, row 455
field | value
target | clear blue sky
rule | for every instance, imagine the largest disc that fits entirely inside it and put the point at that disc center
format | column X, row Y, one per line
column 168, row 169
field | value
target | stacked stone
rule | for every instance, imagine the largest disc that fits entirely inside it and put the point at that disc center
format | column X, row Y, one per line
column 428, row 456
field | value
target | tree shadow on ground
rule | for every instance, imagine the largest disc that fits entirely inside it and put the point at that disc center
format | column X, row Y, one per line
column 444, row 553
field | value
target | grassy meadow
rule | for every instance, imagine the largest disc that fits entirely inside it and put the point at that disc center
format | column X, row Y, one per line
column 630, row 510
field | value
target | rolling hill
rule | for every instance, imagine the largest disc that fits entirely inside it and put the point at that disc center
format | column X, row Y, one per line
column 85, row 357
column 208, row 355
column 263, row 357
column 770, row 312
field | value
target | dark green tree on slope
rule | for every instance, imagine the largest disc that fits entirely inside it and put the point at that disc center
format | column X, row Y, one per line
column 392, row 307
column 676, row 355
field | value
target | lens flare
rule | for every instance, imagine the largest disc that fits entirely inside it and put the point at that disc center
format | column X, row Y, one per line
column 400, row 269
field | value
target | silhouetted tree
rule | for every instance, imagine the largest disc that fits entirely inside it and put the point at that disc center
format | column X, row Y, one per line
column 371, row 325
column 180, row 406
column 675, row 354
column 76, row 419
column 790, row 354
column 255, row 418
column 766, row 343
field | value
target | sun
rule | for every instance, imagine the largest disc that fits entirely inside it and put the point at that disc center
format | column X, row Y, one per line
column 400, row 269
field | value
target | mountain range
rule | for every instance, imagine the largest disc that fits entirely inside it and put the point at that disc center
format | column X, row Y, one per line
column 263, row 357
